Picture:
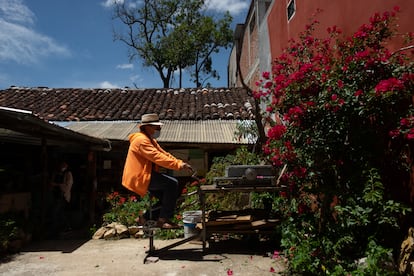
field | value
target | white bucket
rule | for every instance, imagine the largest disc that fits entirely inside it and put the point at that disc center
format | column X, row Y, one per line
column 190, row 220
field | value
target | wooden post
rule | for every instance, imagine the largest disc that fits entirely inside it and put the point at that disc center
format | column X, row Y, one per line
column 45, row 183
column 92, row 182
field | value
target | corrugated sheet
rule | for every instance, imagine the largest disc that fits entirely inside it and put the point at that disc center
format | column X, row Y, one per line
column 112, row 130
column 25, row 122
column 210, row 131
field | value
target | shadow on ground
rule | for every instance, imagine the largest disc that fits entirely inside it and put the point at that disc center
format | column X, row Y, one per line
column 64, row 246
column 217, row 249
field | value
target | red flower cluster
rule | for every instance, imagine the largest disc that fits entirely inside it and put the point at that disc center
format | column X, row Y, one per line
column 406, row 128
column 276, row 132
column 389, row 85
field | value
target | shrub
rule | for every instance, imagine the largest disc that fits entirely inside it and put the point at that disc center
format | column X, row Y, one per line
column 346, row 107
column 126, row 209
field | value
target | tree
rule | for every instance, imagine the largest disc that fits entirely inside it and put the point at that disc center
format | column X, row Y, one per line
column 209, row 36
column 172, row 35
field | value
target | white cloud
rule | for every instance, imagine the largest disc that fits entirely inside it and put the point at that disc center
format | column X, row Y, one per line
column 20, row 43
column 110, row 3
column 235, row 7
column 16, row 11
column 125, row 66
column 107, row 84
column 23, row 45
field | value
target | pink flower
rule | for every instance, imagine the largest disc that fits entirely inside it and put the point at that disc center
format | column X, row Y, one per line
column 362, row 54
column 405, row 122
column 266, row 75
column 276, row 255
column 295, row 112
column 394, row 133
column 122, row 200
column 272, row 270
column 360, row 34
column 229, row 272
column 276, row 160
column 268, row 84
column 276, row 132
column 410, row 134
column 388, row 85
column 358, row 93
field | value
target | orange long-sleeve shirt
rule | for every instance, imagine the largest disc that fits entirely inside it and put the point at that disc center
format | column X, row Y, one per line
column 142, row 154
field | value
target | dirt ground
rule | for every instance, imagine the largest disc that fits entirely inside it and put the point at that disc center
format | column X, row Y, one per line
column 126, row 257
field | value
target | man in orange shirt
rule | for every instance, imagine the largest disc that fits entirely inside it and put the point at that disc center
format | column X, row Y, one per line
column 141, row 170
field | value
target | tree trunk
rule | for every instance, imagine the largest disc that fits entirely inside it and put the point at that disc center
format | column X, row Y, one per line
column 180, row 84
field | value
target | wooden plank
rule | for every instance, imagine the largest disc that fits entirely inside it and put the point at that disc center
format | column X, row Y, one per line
column 246, row 218
column 229, row 217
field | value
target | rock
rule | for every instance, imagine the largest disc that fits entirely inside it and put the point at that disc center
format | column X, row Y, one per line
column 139, row 234
column 152, row 259
column 110, row 233
column 121, row 229
column 133, row 230
column 99, row 233
column 116, row 230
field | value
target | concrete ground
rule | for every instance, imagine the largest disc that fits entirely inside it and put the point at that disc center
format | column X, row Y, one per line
column 126, row 257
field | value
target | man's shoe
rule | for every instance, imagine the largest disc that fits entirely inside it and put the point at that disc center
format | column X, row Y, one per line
column 166, row 224
column 141, row 221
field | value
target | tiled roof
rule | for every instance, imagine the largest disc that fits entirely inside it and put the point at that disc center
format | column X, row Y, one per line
column 72, row 104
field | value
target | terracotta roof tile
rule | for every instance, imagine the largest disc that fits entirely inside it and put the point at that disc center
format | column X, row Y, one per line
column 73, row 104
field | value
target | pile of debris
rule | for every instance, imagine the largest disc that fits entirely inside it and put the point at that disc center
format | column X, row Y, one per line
column 117, row 230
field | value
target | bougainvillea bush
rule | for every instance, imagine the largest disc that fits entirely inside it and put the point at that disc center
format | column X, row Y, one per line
column 347, row 124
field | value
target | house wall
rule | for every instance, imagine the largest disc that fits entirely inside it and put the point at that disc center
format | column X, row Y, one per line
column 255, row 47
column 347, row 15
column 232, row 75
column 248, row 58
column 267, row 29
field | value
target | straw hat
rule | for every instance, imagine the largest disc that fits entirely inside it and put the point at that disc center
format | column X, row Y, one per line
column 150, row 119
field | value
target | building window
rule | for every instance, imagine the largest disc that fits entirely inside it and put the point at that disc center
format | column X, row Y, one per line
column 291, row 8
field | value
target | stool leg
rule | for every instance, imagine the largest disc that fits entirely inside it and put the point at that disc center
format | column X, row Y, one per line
column 151, row 242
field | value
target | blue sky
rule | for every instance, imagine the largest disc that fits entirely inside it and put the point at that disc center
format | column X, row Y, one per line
column 69, row 44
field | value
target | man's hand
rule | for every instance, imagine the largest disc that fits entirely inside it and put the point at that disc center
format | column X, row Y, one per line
column 187, row 167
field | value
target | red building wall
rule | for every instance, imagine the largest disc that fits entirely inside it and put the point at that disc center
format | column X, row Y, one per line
column 348, row 15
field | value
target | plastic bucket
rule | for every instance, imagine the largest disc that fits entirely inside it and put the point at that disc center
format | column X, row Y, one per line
column 190, row 220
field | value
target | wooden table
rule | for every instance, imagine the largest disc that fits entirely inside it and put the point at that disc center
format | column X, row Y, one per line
column 206, row 189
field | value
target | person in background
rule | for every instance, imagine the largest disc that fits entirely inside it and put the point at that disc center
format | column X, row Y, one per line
column 141, row 170
column 61, row 184
column 63, row 181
